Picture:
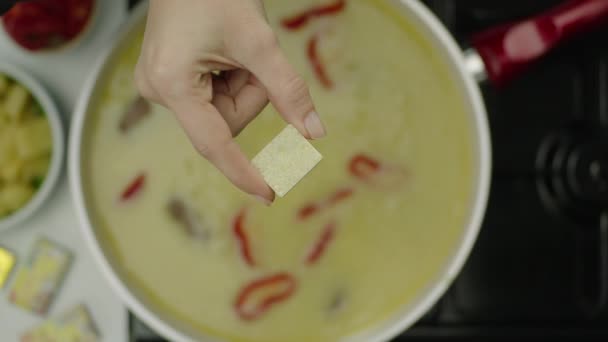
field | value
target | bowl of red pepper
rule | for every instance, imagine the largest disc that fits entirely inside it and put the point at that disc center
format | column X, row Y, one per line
column 47, row 25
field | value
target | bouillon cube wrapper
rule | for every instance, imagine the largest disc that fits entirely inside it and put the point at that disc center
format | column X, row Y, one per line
column 39, row 279
column 76, row 325
column 7, row 261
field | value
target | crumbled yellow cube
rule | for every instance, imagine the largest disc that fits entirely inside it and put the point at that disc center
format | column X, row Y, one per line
column 34, row 138
column 10, row 171
column 5, row 120
column 3, row 83
column 35, row 168
column 8, row 150
column 7, row 261
column 15, row 101
column 286, row 160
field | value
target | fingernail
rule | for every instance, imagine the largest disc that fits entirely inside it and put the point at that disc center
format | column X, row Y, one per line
column 313, row 125
column 263, row 200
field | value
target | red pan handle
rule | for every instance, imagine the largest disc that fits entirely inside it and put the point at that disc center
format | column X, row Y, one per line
column 508, row 50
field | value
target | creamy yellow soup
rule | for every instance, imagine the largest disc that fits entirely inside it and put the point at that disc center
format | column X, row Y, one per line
column 174, row 241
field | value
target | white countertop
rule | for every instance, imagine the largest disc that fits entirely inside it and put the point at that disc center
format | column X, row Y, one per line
column 63, row 74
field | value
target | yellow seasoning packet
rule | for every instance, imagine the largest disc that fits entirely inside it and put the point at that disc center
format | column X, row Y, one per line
column 38, row 280
column 287, row 159
column 7, row 262
column 75, row 325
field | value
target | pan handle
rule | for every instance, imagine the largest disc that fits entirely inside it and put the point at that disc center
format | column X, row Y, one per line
column 501, row 53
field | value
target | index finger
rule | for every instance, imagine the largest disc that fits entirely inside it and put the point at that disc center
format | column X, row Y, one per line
column 211, row 136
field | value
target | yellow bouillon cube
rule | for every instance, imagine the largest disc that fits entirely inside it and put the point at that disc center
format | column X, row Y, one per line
column 286, row 160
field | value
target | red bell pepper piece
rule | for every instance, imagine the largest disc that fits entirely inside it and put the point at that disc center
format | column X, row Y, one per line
column 240, row 234
column 30, row 26
column 44, row 24
column 317, row 65
column 285, row 285
column 376, row 173
column 312, row 209
column 362, row 166
column 308, row 211
column 78, row 14
column 298, row 21
column 133, row 188
column 340, row 195
column 320, row 246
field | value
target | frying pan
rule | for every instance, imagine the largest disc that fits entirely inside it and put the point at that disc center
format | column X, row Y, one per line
column 498, row 55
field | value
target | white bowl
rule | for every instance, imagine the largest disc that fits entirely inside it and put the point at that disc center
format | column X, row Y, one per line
column 54, row 171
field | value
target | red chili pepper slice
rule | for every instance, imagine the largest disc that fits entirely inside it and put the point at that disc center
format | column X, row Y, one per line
column 284, row 282
column 317, row 65
column 362, row 166
column 378, row 174
column 243, row 239
column 299, row 20
column 321, row 245
column 134, row 187
column 312, row 209
column 340, row 195
column 308, row 211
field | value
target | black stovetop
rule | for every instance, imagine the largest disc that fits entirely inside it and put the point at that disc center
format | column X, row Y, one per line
column 540, row 265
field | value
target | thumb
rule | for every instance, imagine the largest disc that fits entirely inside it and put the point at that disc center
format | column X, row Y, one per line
column 287, row 90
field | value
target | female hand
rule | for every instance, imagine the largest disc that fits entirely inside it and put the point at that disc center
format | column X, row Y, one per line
column 185, row 41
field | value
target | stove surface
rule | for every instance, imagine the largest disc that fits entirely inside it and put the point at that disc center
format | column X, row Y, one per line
column 540, row 266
